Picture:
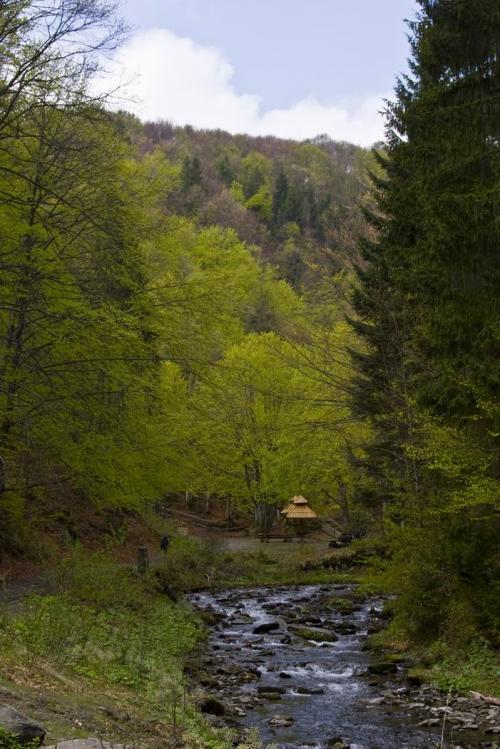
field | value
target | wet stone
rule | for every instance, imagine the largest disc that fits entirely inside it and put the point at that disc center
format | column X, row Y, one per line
column 281, row 720
column 309, row 690
column 262, row 629
column 382, row 667
column 268, row 689
column 314, row 633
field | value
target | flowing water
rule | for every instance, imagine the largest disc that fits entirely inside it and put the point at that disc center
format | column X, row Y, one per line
column 348, row 703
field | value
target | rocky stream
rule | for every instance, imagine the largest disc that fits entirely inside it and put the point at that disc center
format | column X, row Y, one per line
column 294, row 663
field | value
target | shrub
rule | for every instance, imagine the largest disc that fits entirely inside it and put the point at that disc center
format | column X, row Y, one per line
column 7, row 741
column 189, row 565
column 98, row 580
column 476, row 667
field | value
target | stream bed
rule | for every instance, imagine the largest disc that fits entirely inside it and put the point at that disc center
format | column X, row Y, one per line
column 293, row 663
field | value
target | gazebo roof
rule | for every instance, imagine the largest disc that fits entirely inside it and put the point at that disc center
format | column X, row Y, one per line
column 287, row 508
column 301, row 512
column 298, row 508
column 299, row 500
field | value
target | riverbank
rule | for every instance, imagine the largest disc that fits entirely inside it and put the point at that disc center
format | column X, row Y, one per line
column 98, row 650
column 100, row 654
column 94, row 649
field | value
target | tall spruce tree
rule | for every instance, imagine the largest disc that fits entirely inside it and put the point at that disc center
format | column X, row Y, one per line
column 428, row 307
column 280, row 197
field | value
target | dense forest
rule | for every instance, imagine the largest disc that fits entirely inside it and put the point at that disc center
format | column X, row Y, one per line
column 241, row 319
column 173, row 307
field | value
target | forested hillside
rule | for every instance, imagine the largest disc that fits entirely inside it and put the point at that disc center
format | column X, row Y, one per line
column 298, row 202
column 172, row 311
column 245, row 319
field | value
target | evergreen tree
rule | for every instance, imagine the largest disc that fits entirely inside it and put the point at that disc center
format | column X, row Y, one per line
column 196, row 171
column 226, row 171
column 280, row 198
column 428, row 307
column 255, row 172
column 191, row 173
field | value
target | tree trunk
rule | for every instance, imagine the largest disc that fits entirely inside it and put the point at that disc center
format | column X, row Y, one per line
column 265, row 516
column 142, row 560
column 344, row 505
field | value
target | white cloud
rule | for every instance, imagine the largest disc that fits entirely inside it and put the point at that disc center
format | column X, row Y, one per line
column 164, row 76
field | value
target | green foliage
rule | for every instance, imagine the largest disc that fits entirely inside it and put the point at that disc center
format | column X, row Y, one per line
column 123, row 325
column 192, row 564
column 133, row 651
column 268, row 407
column 280, row 198
column 189, row 565
column 191, row 173
column 8, row 741
column 202, row 740
column 74, row 389
column 237, row 192
column 261, row 203
column 475, row 668
column 256, row 170
column 100, row 606
column 326, row 186
column 96, row 580
column 427, row 306
column 226, row 171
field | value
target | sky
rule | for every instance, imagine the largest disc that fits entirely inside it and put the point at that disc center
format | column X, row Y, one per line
column 290, row 68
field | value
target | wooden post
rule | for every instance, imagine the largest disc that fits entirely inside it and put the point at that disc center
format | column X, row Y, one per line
column 142, row 560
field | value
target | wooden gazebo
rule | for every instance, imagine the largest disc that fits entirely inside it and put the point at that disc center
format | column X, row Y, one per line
column 297, row 514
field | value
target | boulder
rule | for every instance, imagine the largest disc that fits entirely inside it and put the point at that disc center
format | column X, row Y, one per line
column 210, row 706
column 270, row 696
column 314, row 633
column 269, row 690
column 342, row 605
column 263, row 629
column 383, row 667
column 24, row 729
column 345, row 628
column 281, row 720
column 336, row 743
column 417, row 676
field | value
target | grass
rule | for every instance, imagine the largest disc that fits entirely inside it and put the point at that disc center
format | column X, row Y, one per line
column 192, row 565
column 475, row 667
column 103, row 655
